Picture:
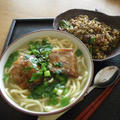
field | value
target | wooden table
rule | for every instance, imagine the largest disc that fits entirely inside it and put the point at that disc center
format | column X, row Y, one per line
column 10, row 9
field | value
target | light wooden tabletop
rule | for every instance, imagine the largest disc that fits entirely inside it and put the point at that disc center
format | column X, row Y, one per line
column 11, row 9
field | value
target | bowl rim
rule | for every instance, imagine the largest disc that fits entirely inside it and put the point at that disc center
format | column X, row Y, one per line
column 61, row 109
column 96, row 11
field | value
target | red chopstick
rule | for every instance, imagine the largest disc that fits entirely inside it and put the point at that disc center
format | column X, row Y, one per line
column 87, row 113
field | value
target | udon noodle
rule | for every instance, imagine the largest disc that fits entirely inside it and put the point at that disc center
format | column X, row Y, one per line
column 74, row 85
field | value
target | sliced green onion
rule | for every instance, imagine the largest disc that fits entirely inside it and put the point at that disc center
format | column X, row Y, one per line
column 53, row 101
column 65, row 24
column 12, row 58
column 36, row 76
column 55, row 90
column 78, row 52
column 6, row 76
column 59, row 92
column 47, row 73
column 45, row 83
column 91, row 50
column 44, row 41
column 55, row 64
column 65, row 91
column 43, row 67
column 65, row 101
column 58, row 64
column 35, row 52
column 92, row 39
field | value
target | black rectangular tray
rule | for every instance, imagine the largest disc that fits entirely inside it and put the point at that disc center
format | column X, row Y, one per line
column 109, row 109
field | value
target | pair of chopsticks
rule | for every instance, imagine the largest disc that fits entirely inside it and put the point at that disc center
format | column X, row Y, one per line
column 87, row 113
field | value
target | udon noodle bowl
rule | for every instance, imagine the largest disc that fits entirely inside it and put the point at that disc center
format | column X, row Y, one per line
column 45, row 74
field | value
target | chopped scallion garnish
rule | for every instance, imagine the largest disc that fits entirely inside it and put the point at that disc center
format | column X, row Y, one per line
column 12, row 58
column 47, row 73
column 78, row 52
column 6, row 76
column 65, row 101
column 58, row 64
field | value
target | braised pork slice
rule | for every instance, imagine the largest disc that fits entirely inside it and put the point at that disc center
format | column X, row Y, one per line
column 67, row 58
column 22, row 71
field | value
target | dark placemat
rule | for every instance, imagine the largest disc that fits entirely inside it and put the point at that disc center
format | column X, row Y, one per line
column 109, row 109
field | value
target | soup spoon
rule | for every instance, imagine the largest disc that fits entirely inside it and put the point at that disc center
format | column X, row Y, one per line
column 105, row 77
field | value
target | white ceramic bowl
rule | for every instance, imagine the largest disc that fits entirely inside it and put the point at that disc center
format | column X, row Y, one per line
column 28, row 37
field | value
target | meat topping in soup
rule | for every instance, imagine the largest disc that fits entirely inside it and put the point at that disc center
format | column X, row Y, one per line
column 66, row 58
column 22, row 71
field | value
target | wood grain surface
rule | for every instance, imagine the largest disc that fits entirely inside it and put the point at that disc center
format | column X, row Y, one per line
column 11, row 9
